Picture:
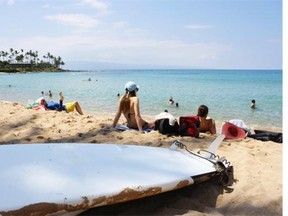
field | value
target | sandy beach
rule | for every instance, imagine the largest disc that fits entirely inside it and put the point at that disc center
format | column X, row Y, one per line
column 257, row 165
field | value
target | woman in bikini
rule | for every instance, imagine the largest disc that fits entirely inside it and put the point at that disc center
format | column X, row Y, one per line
column 207, row 124
column 129, row 105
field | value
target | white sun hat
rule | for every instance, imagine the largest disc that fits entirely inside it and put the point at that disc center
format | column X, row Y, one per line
column 131, row 86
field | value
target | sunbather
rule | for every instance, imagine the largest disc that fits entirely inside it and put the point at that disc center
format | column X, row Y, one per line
column 129, row 106
column 207, row 124
column 68, row 107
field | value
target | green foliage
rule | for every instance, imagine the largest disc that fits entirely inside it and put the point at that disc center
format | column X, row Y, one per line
column 20, row 61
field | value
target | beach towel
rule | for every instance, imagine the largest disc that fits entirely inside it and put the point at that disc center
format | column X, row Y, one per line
column 126, row 128
column 35, row 105
column 241, row 124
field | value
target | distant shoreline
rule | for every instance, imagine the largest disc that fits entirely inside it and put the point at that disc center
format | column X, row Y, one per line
column 42, row 71
column 59, row 70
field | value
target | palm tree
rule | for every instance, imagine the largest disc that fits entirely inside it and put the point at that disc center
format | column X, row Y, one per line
column 49, row 57
column 11, row 56
column 57, row 61
column 20, row 58
column 35, row 56
column 6, row 54
column 32, row 57
column 2, row 55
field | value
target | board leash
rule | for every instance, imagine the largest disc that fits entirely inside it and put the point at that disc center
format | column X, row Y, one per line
column 222, row 165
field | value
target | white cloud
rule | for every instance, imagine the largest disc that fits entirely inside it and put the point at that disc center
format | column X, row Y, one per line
column 127, row 50
column 46, row 6
column 7, row 2
column 198, row 26
column 78, row 20
column 96, row 4
column 274, row 40
column 118, row 25
column 10, row 2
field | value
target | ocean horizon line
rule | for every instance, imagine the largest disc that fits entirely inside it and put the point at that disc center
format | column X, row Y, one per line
column 165, row 69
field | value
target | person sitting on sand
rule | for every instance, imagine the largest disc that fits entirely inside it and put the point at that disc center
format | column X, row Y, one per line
column 207, row 124
column 129, row 105
column 68, row 107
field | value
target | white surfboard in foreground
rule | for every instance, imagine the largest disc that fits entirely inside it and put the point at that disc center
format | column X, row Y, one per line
column 61, row 178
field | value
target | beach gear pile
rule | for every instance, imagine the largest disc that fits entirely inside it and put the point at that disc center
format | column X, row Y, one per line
column 36, row 105
column 167, row 124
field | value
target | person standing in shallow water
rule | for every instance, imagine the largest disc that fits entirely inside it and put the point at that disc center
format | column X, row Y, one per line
column 253, row 104
column 207, row 124
column 170, row 100
column 129, row 105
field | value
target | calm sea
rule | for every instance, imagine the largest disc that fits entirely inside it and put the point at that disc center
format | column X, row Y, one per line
column 227, row 93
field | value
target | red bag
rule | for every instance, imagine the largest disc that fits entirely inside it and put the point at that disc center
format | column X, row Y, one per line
column 189, row 126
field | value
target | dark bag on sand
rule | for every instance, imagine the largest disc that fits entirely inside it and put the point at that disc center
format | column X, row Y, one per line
column 163, row 126
column 189, row 126
column 264, row 135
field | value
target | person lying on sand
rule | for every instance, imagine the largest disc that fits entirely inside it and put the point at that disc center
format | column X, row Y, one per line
column 68, row 107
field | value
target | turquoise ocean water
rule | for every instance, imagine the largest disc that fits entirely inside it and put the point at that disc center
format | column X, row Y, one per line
column 227, row 93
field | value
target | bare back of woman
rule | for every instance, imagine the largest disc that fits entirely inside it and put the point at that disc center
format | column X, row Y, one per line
column 132, row 114
column 207, row 124
column 129, row 106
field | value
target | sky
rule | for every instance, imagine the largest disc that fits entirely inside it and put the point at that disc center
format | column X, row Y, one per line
column 210, row 34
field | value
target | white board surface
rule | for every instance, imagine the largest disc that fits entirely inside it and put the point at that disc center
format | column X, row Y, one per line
column 70, row 177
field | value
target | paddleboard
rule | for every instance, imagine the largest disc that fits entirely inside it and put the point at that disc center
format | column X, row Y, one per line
column 69, row 178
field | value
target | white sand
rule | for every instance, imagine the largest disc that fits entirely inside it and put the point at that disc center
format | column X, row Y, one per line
column 257, row 164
